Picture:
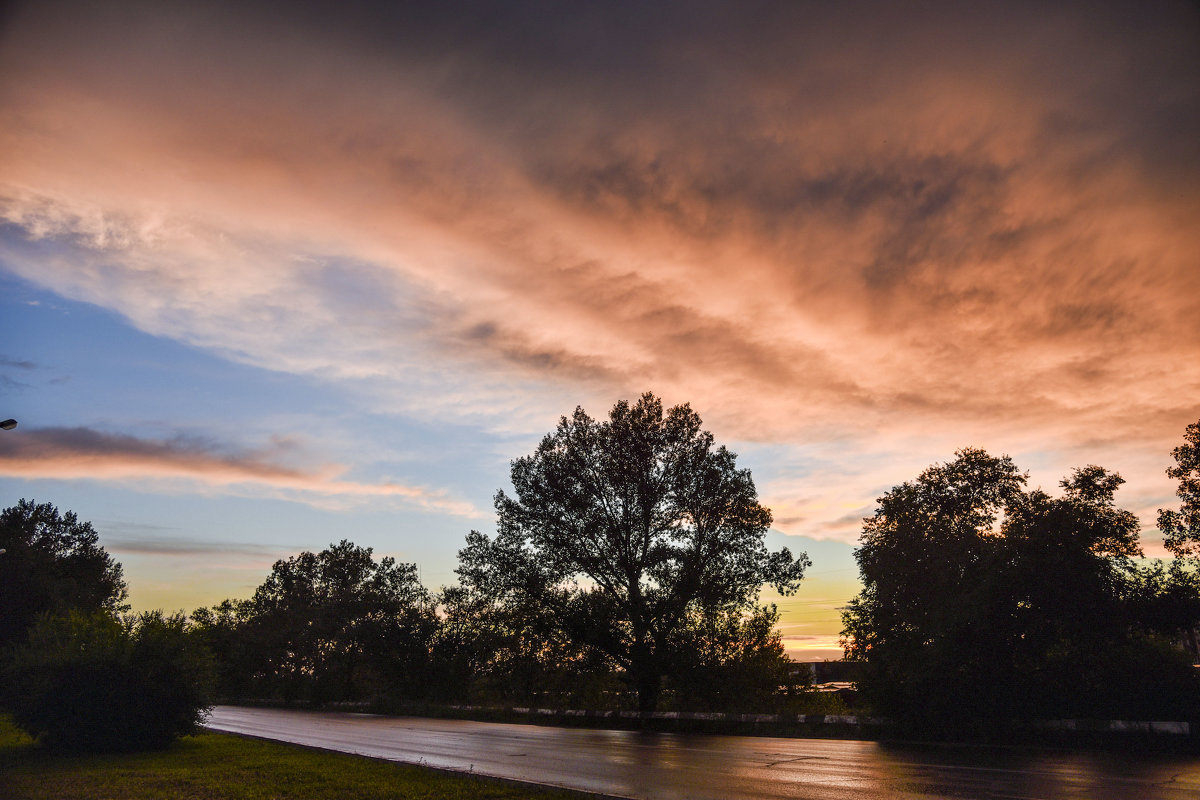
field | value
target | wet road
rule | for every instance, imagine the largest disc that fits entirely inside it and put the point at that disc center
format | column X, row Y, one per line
column 673, row 767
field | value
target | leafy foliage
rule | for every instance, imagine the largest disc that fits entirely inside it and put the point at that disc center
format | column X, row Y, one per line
column 226, row 631
column 334, row 625
column 514, row 652
column 52, row 563
column 92, row 682
column 986, row 602
column 732, row 661
column 1181, row 529
column 624, row 531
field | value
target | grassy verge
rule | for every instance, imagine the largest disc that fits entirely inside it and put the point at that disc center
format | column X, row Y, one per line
column 213, row 766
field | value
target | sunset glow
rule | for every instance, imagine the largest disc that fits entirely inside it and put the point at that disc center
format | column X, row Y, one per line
column 281, row 274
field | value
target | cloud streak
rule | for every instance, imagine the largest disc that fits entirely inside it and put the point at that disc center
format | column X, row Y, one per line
column 85, row 454
column 177, row 547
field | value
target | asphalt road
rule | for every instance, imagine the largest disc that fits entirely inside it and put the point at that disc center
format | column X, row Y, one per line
column 672, row 766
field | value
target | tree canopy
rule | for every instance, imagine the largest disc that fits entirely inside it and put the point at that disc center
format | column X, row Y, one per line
column 984, row 601
column 324, row 626
column 52, row 563
column 625, row 529
column 1181, row 529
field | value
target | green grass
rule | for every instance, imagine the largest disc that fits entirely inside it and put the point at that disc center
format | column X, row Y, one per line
column 213, row 766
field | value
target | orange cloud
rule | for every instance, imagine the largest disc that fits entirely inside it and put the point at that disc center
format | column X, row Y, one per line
column 890, row 233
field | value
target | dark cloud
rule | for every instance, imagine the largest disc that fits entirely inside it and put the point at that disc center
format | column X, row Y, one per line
column 11, row 385
column 49, row 444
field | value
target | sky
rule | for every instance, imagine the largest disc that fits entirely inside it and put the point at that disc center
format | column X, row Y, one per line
column 277, row 274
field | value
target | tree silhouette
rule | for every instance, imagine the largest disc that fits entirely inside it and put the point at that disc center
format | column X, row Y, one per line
column 52, row 563
column 1181, row 529
column 333, row 625
column 984, row 603
column 623, row 531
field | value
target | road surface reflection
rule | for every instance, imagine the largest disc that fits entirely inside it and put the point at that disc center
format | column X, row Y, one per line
column 673, row 766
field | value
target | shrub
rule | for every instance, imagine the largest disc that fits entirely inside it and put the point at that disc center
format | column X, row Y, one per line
column 94, row 682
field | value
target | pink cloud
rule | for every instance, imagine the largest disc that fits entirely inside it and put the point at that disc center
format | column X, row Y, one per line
column 907, row 232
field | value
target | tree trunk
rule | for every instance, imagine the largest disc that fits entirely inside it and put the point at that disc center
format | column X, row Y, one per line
column 647, row 683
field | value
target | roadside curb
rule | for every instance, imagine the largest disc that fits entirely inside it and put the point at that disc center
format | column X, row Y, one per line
column 1167, row 727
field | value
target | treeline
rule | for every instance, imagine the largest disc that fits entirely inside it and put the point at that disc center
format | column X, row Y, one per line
column 80, row 672
column 340, row 625
column 986, row 605
column 625, row 574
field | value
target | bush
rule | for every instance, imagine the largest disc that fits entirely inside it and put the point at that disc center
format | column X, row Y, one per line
column 93, row 682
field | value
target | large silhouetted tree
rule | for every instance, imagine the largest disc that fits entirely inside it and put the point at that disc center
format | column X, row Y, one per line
column 625, row 531
column 924, row 554
column 983, row 602
column 52, row 563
